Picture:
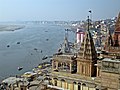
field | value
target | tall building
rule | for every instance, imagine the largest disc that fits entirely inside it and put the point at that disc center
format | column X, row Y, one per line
column 80, row 36
column 116, row 35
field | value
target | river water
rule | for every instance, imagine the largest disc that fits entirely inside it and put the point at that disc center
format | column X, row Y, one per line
column 23, row 54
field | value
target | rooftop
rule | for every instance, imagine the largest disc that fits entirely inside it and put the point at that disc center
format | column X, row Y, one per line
column 111, row 60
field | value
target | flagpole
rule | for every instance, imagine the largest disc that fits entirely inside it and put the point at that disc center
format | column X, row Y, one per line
column 90, row 14
column 88, row 23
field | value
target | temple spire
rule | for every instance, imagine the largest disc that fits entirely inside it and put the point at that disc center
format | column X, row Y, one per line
column 116, row 34
column 109, row 39
column 65, row 47
column 87, row 49
column 117, row 25
column 87, row 57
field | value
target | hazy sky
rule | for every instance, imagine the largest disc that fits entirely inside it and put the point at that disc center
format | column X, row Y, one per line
column 20, row 10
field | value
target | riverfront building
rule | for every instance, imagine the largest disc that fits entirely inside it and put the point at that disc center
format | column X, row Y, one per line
column 84, row 70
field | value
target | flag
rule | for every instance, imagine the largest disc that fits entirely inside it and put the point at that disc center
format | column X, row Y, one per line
column 90, row 11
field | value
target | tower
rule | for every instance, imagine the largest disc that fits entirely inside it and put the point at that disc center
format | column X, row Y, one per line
column 113, row 41
column 116, row 34
column 65, row 47
column 87, row 56
column 109, row 41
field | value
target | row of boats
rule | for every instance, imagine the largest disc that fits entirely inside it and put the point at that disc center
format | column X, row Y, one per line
column 43, row 58
column 16, row 43
column 19, row 43
column 40, row 65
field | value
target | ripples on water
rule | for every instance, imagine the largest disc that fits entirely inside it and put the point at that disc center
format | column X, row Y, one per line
column 23, row 54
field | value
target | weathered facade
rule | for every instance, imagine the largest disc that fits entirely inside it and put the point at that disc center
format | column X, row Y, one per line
column 87, row 57
column 110, row 73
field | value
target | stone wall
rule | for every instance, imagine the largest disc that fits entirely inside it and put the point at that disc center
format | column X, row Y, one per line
column 110, row 80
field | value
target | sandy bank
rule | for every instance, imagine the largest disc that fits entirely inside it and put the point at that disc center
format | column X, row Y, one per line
column 11, row 27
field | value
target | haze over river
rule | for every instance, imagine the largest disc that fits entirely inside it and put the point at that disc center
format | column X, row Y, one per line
column 23, row 54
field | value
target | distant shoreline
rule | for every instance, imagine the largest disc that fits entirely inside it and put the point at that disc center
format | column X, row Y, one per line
column 11, row 27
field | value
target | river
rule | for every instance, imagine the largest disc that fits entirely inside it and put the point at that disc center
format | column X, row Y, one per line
column 45, row 37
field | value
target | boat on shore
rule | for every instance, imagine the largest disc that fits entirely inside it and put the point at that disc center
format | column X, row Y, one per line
column 45, row 57
column 20, row 68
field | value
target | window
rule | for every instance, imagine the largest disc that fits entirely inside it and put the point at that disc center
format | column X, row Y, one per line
column 105, row 64
column 22, row 89
column 55, row 82
column 59, row 64
column 54, row 64
column 82, row 68
column 79, row 86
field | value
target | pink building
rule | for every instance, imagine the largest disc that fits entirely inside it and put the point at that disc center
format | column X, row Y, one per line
column 80, row 35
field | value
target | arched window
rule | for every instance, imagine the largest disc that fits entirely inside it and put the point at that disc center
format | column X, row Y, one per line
column 79, row 86
column 74, row 82
column 55, row 81
column 59, row 64
column 63, row 80
column 84, row 84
